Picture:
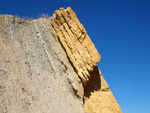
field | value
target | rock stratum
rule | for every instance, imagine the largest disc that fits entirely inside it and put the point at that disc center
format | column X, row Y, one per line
column 49, row 65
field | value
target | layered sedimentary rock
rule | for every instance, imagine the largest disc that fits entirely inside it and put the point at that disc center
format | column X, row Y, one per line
column 50, row 66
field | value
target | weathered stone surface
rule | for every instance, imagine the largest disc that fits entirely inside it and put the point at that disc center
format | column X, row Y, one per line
column 50, row 66
column 84, row 58
column 75, row 41
column 35, row 74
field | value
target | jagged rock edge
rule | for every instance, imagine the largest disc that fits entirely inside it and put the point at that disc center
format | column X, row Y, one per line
column 58, row 38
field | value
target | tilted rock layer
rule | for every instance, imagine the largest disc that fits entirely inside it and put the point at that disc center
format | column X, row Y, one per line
column 50, row 66
column 75, row 41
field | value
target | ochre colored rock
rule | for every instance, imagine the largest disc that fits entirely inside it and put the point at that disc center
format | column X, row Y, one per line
column 76, row 43
column 50, row 66
column 84, row 58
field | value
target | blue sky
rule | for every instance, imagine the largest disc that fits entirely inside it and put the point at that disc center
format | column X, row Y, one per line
column 120, row 30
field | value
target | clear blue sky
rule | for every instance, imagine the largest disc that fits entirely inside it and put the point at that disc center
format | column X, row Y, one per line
column 120, row 29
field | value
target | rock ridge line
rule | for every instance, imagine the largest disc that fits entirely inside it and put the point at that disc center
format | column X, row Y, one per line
column 49, row 65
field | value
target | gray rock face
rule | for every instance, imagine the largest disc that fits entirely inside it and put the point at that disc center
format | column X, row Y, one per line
column 35, row 74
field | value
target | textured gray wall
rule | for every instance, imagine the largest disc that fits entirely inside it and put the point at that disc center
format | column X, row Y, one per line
column 35, row 74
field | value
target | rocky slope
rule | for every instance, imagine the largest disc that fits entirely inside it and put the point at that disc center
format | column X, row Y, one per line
column 50, row 66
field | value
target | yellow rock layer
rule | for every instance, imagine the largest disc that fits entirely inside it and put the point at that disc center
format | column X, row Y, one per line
column 84, row 58
column 75, row 41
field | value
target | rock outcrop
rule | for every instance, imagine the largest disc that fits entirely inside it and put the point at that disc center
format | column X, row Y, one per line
column 50, row 66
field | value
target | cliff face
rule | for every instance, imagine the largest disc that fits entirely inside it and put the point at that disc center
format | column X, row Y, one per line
column 50, row 66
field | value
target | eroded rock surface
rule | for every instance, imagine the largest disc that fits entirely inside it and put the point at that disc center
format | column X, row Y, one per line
column 50, row 66
column 76, row 43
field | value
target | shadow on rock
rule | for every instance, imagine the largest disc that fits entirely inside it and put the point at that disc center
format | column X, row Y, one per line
column 94, row 84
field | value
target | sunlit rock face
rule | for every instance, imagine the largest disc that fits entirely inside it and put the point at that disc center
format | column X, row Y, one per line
column 49, row 65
